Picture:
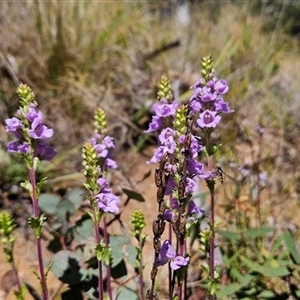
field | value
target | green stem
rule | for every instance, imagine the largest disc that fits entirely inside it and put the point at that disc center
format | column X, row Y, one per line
column 141, row 279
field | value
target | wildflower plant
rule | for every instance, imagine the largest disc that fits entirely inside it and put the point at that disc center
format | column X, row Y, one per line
column 179, row 172
column 138, row 223
column 96, row 163
column 30, row 133
column 8, row 238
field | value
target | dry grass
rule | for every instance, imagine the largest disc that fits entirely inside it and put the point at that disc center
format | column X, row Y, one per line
column 80, row 55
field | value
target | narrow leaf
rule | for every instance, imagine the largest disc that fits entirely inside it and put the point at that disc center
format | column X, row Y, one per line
column 291, row 247
column 134, row 195
column 257, row 232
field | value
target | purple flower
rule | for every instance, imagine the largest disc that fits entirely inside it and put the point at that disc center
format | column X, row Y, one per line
column 164, row 109
column 208, row 119
column 18, row 147
column 207, row 95
column 33, row 113
column 157, row 156
column 102, row 182
column 209, row 175
column 178, row 262
column 102, row 146
column 196, row 106
column 195, row 168
column 174, row 203
column 194, row 209
column 167, row 252
column 44, row 152
column 169, row 168
column 168, row 146
column 166, row 134
column 110, row 164
column 221, row 87
column 13, row 124
column 222, row 107
column 39, row 130
column 108, row 141
column 171, row 185
column 101, row 150
column 211, row 84
column 191, row 186
column 200, row 83
column 195, row 147
column 168, row 215
column 103, row 185
column 156, row 124
column 106, row 200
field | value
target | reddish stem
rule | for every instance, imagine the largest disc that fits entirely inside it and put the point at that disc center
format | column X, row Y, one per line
column 212, row 241
column 36, row 214
column 97, row 239
column 108, row 270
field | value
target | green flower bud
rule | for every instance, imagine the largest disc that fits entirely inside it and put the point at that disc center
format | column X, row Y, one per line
column 6, row 223
column 207, row 67
column 25, row 93
column 89, row 162
column 138, row 222
column 180, row 119
column 100, row 121
column 164, row 89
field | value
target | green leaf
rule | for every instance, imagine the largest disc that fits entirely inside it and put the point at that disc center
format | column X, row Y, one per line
column 265, row 270
column 64, row 208
column 37, row 224
column 257, row 232
column 246, row 279
column 234, row 273
column 76, row 196
column 83, row 229
column 27, row 186
column 134, row 195
column 40, row 185
column 232, row 259
column 146, row 175
column 234, row 287
column 48, row 203
column 251, row 292
column 291, row 247
column 126, row 293
column 277, row 244
column 267, row 294
column 131, row 254
column 117, row 243
column 227, row 290
column 231, row 235
column 66, row 267
column 119, row 270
